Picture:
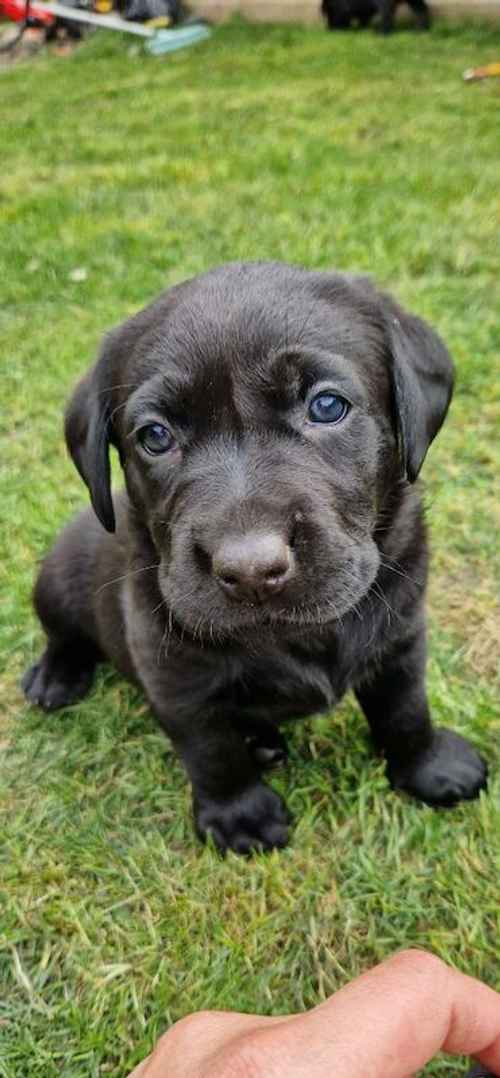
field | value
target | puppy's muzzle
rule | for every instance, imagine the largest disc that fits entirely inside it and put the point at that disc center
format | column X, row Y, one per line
column 254, row 567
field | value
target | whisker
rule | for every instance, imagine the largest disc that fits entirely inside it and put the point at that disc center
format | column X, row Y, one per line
column 118, row 385
column 376, row 590
column 165, row 637
column 163, row 602
column 300, row 335
column 114, row 412
column 391, row 566
column 131, row 572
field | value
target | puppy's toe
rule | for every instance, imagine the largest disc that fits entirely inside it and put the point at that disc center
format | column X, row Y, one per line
column 28, row 682
column 244, row 843
column 275, row 834
column 34, row 685
column 53, row 682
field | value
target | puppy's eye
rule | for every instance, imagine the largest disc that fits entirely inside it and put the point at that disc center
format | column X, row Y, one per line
column 328, row 407
column 156, row 439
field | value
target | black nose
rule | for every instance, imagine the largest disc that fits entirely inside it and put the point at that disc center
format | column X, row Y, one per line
column 255, row 566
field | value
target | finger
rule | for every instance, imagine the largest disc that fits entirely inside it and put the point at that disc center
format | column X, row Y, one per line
column 395, row 1018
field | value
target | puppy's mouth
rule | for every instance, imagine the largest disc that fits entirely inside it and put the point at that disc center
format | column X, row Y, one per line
column 258, row 622
column 247, row 620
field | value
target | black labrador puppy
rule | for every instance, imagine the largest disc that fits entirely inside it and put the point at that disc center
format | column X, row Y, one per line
column 270, row 550
column 341, row 14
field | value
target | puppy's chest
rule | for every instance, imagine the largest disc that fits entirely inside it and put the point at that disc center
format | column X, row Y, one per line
column 285, row 684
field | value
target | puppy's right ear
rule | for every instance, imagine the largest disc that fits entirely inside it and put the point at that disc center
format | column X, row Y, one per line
column 89, row 417
column 88, row 436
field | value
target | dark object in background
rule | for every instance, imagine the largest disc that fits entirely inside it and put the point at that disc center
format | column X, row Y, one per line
column 341, row 14
column 270, row 550
column 142, row 10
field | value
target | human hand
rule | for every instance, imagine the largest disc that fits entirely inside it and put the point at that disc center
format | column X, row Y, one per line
column 388, row 1023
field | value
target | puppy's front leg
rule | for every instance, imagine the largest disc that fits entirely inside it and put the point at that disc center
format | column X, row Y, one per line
column 432, row 763
column 230, row 801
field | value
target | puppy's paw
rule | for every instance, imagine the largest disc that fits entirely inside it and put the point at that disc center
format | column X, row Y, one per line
column 450, row 770
column 52, row 683
column 254, row 820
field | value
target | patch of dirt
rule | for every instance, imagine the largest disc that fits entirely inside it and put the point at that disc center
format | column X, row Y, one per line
column 15, row 49
column 469, row 606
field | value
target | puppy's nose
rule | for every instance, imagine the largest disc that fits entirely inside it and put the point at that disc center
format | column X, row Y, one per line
column 255, row 566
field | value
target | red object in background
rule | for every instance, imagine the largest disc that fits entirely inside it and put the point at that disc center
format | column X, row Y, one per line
column 16, row 10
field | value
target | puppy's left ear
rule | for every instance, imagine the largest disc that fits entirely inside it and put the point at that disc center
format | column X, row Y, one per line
column 422, row 379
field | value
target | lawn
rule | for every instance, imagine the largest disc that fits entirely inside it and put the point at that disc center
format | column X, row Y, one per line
column 278, row 143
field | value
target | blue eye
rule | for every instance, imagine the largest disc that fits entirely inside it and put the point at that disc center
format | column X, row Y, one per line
column 328, row 407
column 156, row 439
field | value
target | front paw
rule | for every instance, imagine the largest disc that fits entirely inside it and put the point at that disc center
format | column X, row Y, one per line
column 450, row 770
column 56, row 681
column 256, row 819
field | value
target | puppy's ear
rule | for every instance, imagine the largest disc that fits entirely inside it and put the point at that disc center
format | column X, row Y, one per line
column 88, row 435
column 89, row 425
column 422, row 380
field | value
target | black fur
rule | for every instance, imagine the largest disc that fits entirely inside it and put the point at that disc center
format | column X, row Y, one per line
column 342, row 14
column 265, row 563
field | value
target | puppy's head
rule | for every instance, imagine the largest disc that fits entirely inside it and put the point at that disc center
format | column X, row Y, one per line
column 264, row 416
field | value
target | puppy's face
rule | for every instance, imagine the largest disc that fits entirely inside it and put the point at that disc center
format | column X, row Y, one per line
column 254, row 412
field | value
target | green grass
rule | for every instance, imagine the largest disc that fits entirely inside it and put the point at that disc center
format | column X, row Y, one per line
column 280, row 143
